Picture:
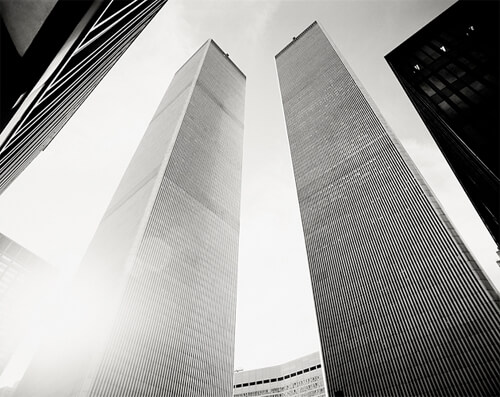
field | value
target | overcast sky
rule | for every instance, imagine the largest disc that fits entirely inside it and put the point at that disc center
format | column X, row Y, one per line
column 54, row 207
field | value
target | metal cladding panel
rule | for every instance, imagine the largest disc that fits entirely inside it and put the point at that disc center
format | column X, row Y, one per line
column 105, row 267
column 402, row 307
column 174, row 333
column 158, row 282
column 75, row 73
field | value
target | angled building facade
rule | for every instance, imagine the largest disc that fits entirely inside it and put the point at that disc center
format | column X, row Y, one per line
column 450, row 70
column 158, row 281
column 302, row 377
column 402, row 307
column 54, row 53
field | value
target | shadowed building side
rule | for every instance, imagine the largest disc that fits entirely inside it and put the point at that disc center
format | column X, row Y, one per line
column 450, row 70
column 54, row 53
column 402, row 307
column 162, row 267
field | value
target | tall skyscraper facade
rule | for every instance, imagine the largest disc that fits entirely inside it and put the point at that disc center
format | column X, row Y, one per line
column 402, row 307
column 450, row 69
column 54, row 53
column 163, row 262
column 25, row 281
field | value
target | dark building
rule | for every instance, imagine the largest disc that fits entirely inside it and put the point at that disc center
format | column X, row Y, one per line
column 402, row 307
column 156, row 291
column 449, row 70
column 25, row 281
column 54, row 53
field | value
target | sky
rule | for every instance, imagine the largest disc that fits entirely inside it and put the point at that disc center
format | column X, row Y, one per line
column 55, row 206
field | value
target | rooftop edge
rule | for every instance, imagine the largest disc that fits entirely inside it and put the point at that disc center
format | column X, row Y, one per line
column 296, row 38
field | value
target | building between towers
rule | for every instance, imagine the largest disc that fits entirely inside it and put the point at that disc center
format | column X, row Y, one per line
column 154, row 307
column 302, row 377
column 402, row 306
column 450, row 70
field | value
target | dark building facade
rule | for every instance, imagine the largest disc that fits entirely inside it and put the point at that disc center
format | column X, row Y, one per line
column 25, row 281
column 402, row 307
column 449, row 69
column 158, row 282
column 54, row 53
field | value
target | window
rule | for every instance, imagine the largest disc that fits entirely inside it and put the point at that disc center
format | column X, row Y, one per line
column 437, row 83
column 447, row 76
column 447, row 108
column 428, row 90
column 457, row 101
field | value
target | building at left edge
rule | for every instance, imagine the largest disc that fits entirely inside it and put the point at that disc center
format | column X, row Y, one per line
column 153, row 308
column 25, row 280
column 54, row 53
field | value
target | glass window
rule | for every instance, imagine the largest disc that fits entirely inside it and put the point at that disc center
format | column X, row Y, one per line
column 434, row 80
column 447, row 108
column 457, row 101
column 478, row 86
column 429, row 51
column 447, row 76
column 457, row 71
column 428, row 90
column 470, row 94
column 422, row 57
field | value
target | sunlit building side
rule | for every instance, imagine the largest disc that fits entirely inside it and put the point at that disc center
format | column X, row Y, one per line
column 450, row 70
column 302, row 377
column 155, row 303
column 402, row 306
column 25, row 282
column 54, row 53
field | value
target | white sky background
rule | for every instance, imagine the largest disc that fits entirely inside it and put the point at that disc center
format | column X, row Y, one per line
column 54, row 207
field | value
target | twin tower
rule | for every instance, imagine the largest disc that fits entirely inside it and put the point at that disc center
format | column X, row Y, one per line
column 402, row 307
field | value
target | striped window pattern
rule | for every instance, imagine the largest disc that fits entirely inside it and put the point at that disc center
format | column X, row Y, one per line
column 160, row 273
column 174, row 334
column 114, row 27
column 402, row 307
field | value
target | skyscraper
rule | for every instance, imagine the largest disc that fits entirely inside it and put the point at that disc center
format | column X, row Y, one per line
column 158, row 282
column 450, row 69
column 25, row 281
column 54, row 53
column 402, row 307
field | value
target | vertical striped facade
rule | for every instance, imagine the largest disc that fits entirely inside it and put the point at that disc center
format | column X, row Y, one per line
column 163, row 262
column 402, row 307
column 99, row 39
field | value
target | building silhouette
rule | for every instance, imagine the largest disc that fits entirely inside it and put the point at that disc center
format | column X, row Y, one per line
column 402, row 307
column 158, row 282
column 54, row 53
column 25, row 282
column 449, row 69
column 300, row 377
